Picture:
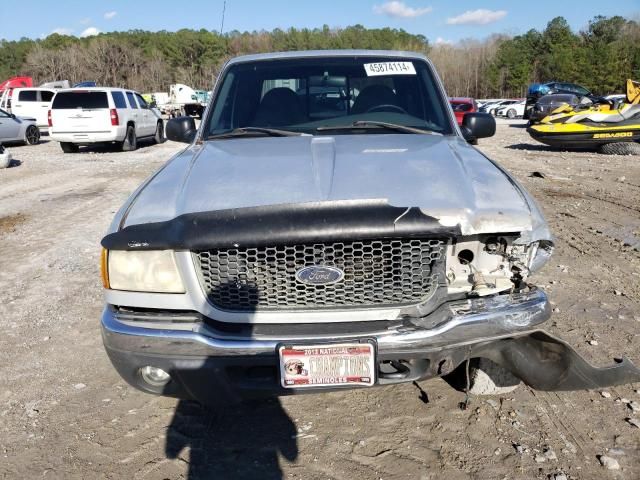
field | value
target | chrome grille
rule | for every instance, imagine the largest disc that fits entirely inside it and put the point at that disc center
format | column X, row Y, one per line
column 376, row 273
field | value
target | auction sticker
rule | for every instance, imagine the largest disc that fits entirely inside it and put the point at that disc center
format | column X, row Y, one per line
column 389, row 68
column 327, row 365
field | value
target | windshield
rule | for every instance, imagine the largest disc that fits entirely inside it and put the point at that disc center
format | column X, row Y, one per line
column 307, row 95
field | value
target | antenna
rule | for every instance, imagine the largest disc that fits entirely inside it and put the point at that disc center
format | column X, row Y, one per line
column 224, row 8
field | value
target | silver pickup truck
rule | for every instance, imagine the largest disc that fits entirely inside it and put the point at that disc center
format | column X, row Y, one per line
column 330, row 226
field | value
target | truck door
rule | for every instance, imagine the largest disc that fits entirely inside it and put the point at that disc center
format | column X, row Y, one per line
column 147, row 114
column 135, row 115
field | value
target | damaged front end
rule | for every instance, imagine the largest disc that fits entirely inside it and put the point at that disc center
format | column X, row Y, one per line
column 547, row 363
column 482, row 305
column 497, row 267
column 505, row 329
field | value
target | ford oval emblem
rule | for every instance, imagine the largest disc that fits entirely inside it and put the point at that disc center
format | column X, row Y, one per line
column 319, row 275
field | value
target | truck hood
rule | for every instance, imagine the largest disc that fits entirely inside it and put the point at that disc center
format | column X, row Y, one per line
column 443, row 176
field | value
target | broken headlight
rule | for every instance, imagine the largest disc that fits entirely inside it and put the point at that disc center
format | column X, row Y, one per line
column 143, row 271
column 539, row 254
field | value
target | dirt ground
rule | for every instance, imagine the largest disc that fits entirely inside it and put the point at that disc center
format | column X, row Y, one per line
column 65, row 413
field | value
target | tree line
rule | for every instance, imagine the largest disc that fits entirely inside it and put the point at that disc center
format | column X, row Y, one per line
column 600, row 57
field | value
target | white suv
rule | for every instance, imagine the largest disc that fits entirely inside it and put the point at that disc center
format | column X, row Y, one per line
column 84, row 116
column 29, row 103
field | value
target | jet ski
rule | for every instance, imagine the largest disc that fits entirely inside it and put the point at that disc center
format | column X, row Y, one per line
column 594, row 125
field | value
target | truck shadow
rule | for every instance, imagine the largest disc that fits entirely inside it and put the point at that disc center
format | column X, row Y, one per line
column 231, row 440
column 241, row 442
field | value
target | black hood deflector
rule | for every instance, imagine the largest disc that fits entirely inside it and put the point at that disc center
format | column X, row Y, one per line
column 280, row 225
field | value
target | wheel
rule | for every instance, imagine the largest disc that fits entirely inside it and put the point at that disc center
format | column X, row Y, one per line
column 130, row 142
column 32, row 135
column 159, row 136
column 487, row 378
column 620, row 148
column 511, row 113
column 68, row 147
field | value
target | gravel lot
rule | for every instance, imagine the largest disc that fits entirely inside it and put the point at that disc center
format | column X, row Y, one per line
column 65, row 413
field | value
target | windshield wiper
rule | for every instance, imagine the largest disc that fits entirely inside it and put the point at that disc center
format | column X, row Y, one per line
column 247, row 131
column 376, row 124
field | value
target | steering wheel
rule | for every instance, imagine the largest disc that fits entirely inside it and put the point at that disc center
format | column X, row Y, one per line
column 386, row 107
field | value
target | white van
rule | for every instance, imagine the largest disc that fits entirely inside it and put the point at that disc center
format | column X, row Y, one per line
column 29, row 103
column 85, row 116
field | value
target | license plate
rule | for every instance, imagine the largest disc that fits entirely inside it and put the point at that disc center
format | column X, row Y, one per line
column 308, row 366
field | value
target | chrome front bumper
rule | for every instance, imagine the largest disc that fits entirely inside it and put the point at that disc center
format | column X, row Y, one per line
column 453, row 324
column 214, row 367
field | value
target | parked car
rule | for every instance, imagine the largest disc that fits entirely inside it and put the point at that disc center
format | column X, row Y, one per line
column 537, row 90
column 511, row 110
column 492, row 109
column 18, row 129
column 547, row 104
column 102, row 115
column 486, row 105
column 283, row 252
column 88, row 83
column 461, row 106
column 32, row 103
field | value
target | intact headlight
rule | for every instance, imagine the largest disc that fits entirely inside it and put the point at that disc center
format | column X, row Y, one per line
column 144, row 271
column 539, row 254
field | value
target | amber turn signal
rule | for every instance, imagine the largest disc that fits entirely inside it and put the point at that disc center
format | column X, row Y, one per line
column 104, row 271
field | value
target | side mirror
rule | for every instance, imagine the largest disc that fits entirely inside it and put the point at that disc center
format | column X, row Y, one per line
column 181, row 129
column 153, row 104
column 13, row 115
column 477, row 125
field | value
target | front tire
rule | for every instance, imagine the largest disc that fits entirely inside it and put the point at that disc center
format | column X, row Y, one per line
column 488, row 378
column 32, row 135
column 130, row 142
column 68, row 147
column 159, row 136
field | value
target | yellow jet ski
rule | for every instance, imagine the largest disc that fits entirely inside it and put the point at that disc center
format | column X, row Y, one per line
column 608, row 126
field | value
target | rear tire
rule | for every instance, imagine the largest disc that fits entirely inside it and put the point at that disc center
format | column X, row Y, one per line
column 68, row 147
column 620, row 148
column 488, row 378
column 130, row 142
column 32, row 135
column 511, row 114
column 159, row 136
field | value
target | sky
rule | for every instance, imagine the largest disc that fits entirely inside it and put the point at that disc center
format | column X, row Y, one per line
column 438, row 20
